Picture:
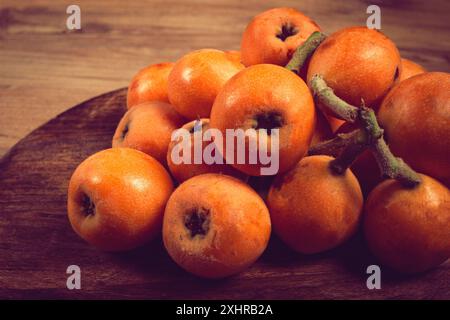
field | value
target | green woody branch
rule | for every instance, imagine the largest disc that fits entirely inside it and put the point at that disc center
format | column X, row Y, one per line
column 368, row 136
column 303, row 52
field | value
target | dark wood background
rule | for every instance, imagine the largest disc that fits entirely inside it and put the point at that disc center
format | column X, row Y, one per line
column 44, row 70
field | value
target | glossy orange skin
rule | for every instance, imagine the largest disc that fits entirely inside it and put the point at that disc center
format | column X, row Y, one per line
column 357, row 63
column 260, row 43
column 334, row 122
column 313, row 209
column 322, row 130
column 238, row 229
column 184, row 171
column 234, row 55
column 416, row 118
column 410, row 69
column 260, row 90
column 196, row 79
column 365, row 166
column 149, row 84
column 409, row 229
column 150, row 126
column 129, row 189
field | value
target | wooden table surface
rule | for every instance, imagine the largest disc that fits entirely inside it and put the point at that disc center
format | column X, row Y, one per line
column 37, row 243
column 44, row 69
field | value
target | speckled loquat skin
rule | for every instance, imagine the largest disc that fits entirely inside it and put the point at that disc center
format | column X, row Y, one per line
column 197, row 78
column 313, row 209
column 409, row 69
column 234, row 55
column 148, row 128
column 184, row 171
column 129, row 190
column 262, row 90
column 149, row 84
column 260, row 43
column 334, row 122
column 238, row 226
column 357, row 63
column 416, row 118
column 409, row 229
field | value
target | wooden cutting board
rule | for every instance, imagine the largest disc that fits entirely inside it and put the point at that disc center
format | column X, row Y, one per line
column 37, row 243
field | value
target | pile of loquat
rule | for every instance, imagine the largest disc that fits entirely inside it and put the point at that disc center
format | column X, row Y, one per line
column 363, row 140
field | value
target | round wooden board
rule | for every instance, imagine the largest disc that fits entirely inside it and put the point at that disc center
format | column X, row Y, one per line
column 37, row 243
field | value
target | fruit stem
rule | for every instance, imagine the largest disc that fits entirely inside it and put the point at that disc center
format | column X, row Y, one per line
column 368, row 136
column 346, row 158
column 327, row 99
column 304, row 51
column 394, row 167
column 333, row 147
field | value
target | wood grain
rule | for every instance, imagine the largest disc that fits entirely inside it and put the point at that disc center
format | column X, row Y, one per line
column 37, row 243
column 45, row 69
